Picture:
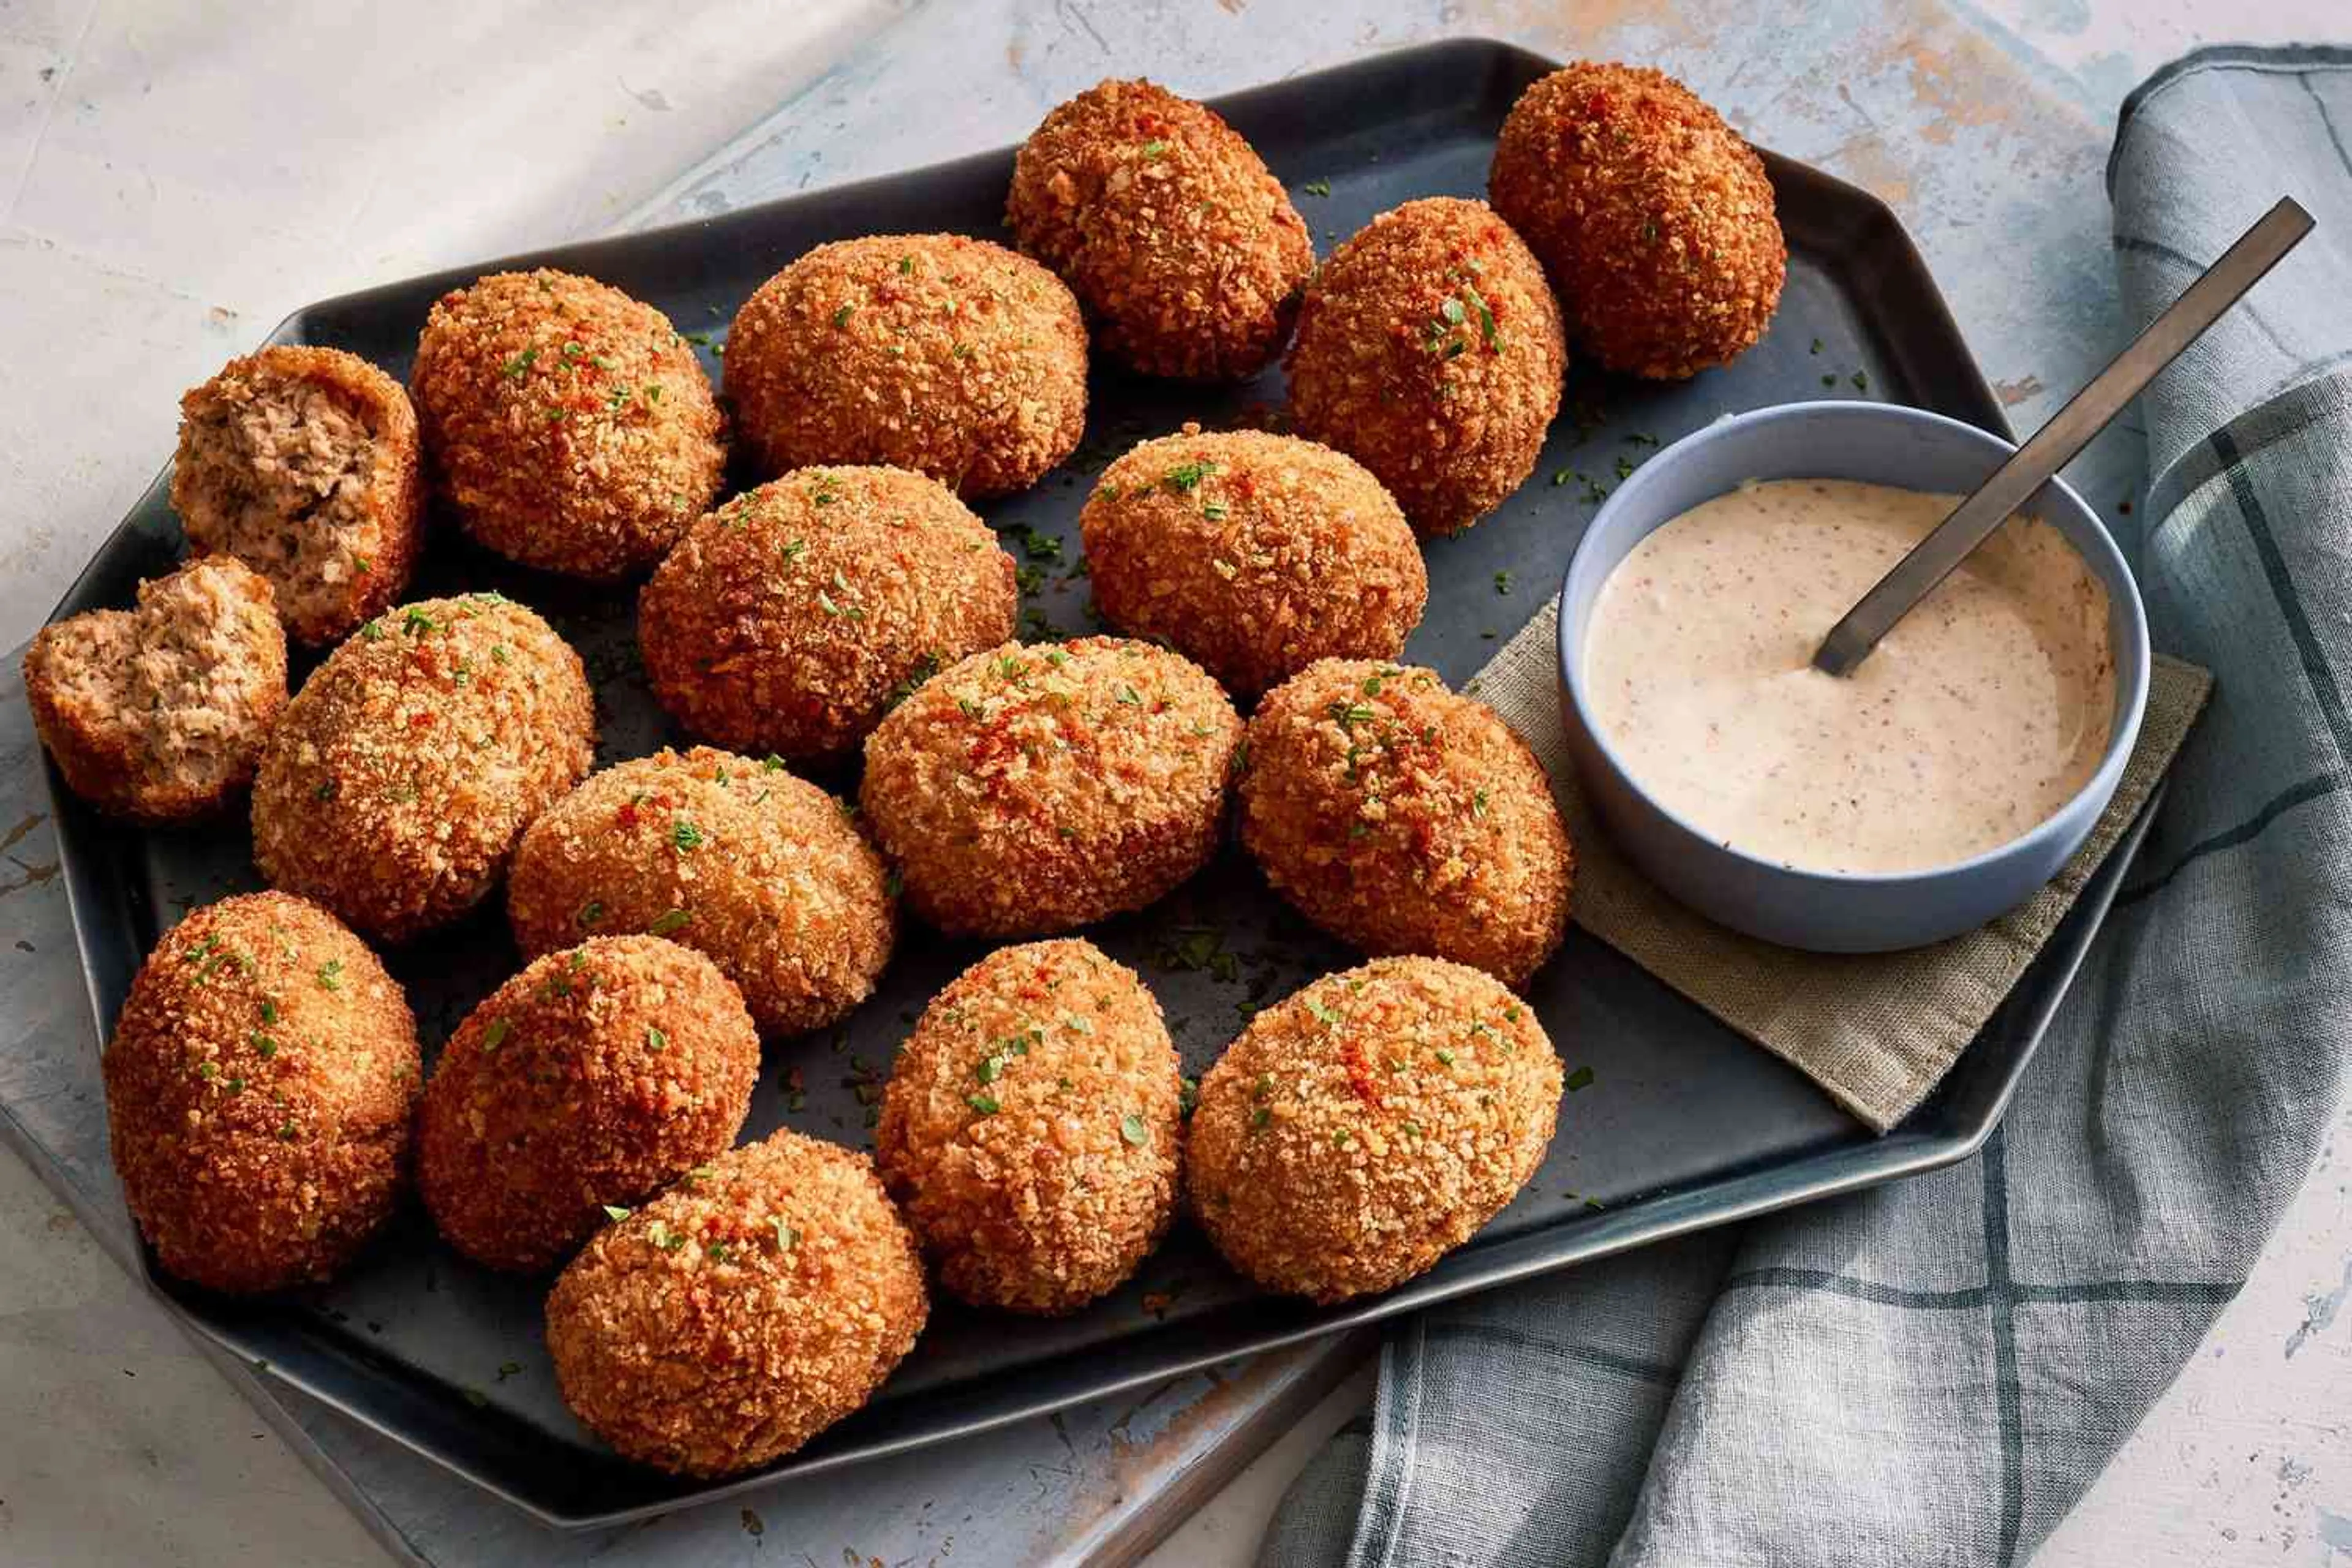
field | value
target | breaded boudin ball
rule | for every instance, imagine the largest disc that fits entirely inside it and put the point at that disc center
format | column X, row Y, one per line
column 790, row 619
column 951, row 356
column 1655, row 219
column 258, row 1090
column 1404, row 819
column 567, row 424
column 763, row 873
column 1360, row 1131
column 741, row 1313
column 1167, row 225
column 404, row 770
column 1033, row 1126
column 1253, row 554
column 159, row 714
column 303, row 463
column 1429, row 350
column 1031, row 789
column 596, row 1076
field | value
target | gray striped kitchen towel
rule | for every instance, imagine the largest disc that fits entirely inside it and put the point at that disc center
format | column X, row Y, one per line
column 1932, row 1373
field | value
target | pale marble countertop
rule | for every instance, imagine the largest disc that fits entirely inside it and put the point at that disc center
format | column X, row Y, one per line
column 173, row 180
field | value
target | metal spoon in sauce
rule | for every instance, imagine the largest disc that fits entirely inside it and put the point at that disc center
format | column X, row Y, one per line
column 2053, row 446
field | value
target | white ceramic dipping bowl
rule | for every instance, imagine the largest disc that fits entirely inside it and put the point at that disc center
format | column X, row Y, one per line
column 1832, row 912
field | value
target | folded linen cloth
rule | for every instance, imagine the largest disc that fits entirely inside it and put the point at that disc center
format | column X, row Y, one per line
column 1933, row 1373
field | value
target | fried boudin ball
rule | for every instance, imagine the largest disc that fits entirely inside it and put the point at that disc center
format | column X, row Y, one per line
column 566, row 424
column 1429, row 350
column 159, row 714
column 1359, row 1131
column 258, row 1090
column 1253, row 554
column 1404, row 819
column 762, row 872
column 791, row 618
column 303, row 463
column 1034, row 789
column 404, row 770
column 1655, row 219
column 1031, row 1128
column 951, row 356
column 594, row 1077
column 1167, row 225
column 732, row 1319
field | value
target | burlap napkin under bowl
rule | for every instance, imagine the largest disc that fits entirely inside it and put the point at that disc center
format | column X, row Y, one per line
column 1878, row 1030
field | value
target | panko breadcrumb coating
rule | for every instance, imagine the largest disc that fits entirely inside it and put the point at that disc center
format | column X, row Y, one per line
column 741, row 1313
column 159, row 714
column 1167, row 227
column 1429, row 350
column 1360, row 1131
column 408, row 765
column 1031, row 1128
column 1655, row 219
column 1034, row 789
column 567, row 424
column 1404, row 819
column 951, row 356
column 303, row 463
column 1253, row 554
column 790, row 619
column 258, row 1090
column 595, row 1077
column 763, row 873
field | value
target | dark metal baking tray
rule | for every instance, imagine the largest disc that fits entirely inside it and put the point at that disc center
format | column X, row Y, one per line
column 1684, row 1125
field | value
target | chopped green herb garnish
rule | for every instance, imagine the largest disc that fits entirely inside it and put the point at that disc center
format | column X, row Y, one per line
column 1579, row 1079
column 984, row 1103
column 1316, row 188
column 673, row 919
column 685, row 837
column 331, row 975
column 496, row 1034
column 1133, row 1129
column 655, row 1039
column 1502, row 582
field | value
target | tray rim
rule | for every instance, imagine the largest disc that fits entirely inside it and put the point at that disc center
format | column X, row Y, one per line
column 95, row 901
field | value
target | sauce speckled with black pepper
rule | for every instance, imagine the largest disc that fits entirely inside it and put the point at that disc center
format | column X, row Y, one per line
column 1980, row 714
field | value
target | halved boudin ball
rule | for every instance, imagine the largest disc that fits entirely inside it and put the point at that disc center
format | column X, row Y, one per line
column 1034, row 789
column 596, row 1076
column 1031, row 1128
column 754, row 1304
column 1167, row 225
column 1429, row 350
column 258, row 1087
column 1404, row 819
column 951, row 356
column 566, row 424
column 1255, row 554
column 792, row 618
column 160, row 713
column 1362, row 1129
column 303, row 463
column 1655, row 219
column 402, row 773
column 764, row 873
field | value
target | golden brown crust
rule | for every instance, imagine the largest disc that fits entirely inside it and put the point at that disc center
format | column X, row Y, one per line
column 763, row 873
column 1253, row 554
column 1035, row 789
column 1167, row 225
column 1404, row 819
column 258, row 1087
column 1656, row 220
column 159, row 714
column 727, row 1322
column 567, row 424
column 325, row 587
column 412, row 760
column 790, row 619
column 1033, row 1126
column 1429, row 349
column 951, row 356
column 597, row 1076
column 1360, row 1131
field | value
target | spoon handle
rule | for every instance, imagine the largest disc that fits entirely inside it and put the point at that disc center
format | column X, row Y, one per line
column 2054, row 445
